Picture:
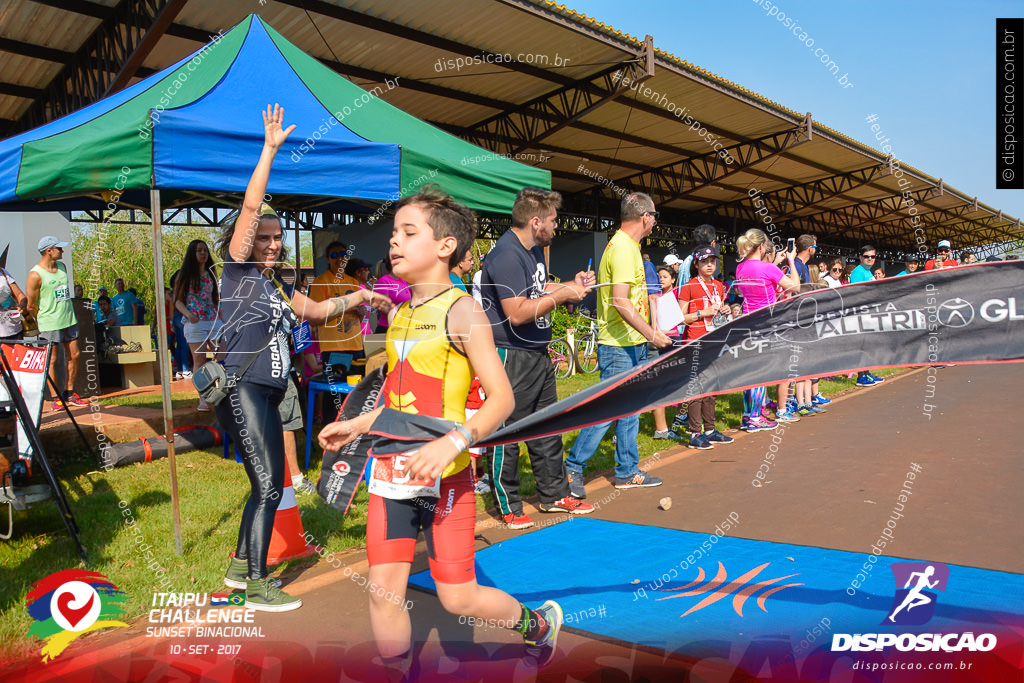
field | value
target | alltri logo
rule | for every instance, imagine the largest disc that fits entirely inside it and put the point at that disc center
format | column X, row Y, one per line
column 69, row 603
column 914, row 605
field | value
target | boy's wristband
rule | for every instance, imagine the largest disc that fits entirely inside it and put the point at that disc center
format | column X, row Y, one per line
column 456, row 439
column 461, row 429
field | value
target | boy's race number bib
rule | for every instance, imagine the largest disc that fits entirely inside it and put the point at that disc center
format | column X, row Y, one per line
column 389, row 479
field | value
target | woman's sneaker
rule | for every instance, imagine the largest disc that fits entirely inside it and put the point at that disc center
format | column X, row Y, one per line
column 263, row 595
column 699, row 441
column 718, row 437
column 237, row 574
column 758, row 424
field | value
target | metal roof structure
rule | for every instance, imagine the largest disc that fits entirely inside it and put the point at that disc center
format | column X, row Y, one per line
column 605, row 112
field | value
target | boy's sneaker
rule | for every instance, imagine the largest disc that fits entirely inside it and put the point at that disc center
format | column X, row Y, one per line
column 56, row 405
column 817, row 409
column 758, row 424
column 865, row 381
column 263, row 595
column 638, row 480
column 482, row 486
column 238, row 574
column 820, row 400
column 787, row 417
column 805, row 411
column 305, row 487
column 699, row 441
column 718, row 437
column 878, row 380
column 543, row 649
column 576, row 489
column 514, row 521
column 568, row 504
column 667, row 434
column 75, row 400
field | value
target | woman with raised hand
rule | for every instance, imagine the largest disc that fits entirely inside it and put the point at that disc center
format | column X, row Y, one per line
column 258, row 316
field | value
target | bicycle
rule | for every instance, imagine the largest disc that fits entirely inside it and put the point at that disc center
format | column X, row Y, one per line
column 560, row 354
column 586, row 346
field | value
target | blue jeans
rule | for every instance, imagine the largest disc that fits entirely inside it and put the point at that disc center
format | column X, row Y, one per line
column 182, row 354
column 613, row 360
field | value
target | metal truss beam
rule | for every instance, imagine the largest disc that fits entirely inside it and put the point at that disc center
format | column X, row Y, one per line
column 123, row 39
column 543, row 116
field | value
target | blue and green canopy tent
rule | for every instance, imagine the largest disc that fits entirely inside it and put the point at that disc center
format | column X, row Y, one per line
column 195, row 129
column 196, row 126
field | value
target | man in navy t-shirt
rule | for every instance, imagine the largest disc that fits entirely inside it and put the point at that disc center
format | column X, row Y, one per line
column 518, row 299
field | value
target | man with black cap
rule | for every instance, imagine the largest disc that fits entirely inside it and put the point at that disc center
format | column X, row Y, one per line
column 49, row 300
column 942, row 259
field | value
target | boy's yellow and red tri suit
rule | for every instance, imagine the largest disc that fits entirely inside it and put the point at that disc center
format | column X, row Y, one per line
column 427, row 375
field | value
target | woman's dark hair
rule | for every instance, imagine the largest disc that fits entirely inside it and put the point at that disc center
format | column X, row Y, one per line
column 227, row 231
column 189, row 277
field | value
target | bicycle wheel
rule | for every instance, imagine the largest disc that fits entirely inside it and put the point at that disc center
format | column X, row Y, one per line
column 561, row 357
column 586, row 354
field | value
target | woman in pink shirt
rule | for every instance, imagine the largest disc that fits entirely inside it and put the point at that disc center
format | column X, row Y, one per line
column 392, row 287
column 758, row 280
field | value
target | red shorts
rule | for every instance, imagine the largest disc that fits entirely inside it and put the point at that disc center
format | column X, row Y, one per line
column 448, row 523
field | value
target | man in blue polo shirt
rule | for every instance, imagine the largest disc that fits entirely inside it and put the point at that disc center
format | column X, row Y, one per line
column 864, row 273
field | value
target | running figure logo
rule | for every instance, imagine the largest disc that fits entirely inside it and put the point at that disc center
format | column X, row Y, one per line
column 914, row 603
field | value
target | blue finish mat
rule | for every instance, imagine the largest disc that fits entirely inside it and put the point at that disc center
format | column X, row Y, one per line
column 672, row 589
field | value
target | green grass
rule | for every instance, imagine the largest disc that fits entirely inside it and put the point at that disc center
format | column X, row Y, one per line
column 212, row 493
column 179, row 400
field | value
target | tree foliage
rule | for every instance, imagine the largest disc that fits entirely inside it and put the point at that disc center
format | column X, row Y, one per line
column 102, row 253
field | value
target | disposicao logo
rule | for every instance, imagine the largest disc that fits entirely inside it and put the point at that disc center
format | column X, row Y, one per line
column 68, row 603
column 914, row 605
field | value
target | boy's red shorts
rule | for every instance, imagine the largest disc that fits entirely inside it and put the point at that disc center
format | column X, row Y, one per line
column 448, row 523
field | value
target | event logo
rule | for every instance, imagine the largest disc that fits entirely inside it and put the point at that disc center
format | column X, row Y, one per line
column 955, row 313
column 71, row 602
column 721, row 587
column 914, row 603
column 341, row 467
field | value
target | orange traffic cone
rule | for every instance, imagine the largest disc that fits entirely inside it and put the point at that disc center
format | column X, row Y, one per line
column 288, row 542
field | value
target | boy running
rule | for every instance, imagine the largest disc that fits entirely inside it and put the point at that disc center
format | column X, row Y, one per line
column 435, row 343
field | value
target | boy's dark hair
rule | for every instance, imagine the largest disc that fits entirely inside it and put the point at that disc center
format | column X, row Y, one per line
column 103, row 298
column 703, row 234
column 447, row 217
column 534, row 201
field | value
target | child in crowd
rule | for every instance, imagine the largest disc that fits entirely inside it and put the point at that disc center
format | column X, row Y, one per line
column 436, row 341
column 701, row 299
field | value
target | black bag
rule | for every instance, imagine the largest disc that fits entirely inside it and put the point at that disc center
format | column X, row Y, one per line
column 212, row 381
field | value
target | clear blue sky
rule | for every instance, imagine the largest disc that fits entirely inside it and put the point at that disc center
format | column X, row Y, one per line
column 927, row 69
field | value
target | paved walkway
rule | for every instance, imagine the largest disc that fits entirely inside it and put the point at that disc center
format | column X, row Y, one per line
column 832, row 483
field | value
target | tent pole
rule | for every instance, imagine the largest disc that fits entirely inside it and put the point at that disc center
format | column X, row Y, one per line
column 164, row 358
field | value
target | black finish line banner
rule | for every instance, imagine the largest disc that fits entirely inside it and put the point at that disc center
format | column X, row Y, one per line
column 968, row 314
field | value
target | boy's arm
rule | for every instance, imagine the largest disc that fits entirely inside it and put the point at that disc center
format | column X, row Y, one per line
column 336, row 434
column 470, row 331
